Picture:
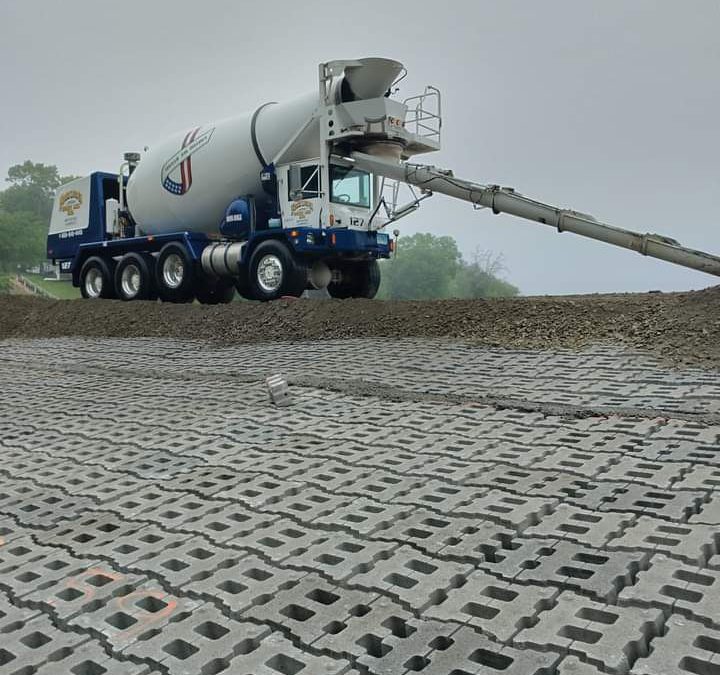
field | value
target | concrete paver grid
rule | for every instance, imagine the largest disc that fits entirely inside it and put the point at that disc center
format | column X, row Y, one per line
column 458, row 510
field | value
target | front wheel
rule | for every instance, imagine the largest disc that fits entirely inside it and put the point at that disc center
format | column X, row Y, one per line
column 357, row 280
column 275, row 272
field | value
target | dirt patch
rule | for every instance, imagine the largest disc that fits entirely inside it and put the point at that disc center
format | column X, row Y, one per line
column 682, row 328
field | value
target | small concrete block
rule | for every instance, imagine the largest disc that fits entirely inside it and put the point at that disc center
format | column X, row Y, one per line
column 364, row 625
column 573, row 460
column 407, row 648
column 69, row 595
column 676, row 587
column 587, row 527
column 691, row 543
column 484, row 542
column 228, row 522
column 21, row 551
column 308, row 505
column 279, row 390
column 12, row 616
column 469, row 653
column 428, row 530
column 514, row 511
column 276, row 655
column 33, row 644
column 658, row 474
column 598, row 572
column 709, row 512
column 685, row 648
column 414, row 578
column 125, row 617
column 90, row 658
column 200, row 641
column 366, row 516
column 497, row 608
column 440, row 495
column 608, row 636
column 307, row 607
column 256, row 490
column 32, row 575
column 281, row 540
column 241, row 582
column 342, row 555
column 677, row 505
column 700, row 477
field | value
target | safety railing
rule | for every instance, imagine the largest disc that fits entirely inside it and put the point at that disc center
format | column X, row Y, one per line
column 33, row 288
column 424, row 114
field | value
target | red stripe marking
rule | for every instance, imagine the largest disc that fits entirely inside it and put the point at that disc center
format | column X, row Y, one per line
column 187, row 136
column 182, row 173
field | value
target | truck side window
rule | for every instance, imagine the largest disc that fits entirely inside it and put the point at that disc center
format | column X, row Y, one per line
column 309, row 183
column 349, row 186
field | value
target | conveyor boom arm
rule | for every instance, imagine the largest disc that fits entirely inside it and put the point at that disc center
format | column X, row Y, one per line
column 506, row 200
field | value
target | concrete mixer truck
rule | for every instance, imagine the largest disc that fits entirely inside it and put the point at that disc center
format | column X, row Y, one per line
column 287, row 197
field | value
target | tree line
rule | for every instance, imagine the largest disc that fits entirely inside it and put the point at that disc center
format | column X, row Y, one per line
column 425, row 267
column 430, row 267
column 25, row 208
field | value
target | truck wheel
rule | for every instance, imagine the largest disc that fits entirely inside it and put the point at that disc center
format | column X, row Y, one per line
column 368, row 281
column 214, row 291
column 358, row 280
column 175, row 274
column 134, row 277
column 96, row 279
column 274, row 272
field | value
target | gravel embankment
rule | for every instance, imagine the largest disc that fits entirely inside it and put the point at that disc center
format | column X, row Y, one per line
column 683, row 328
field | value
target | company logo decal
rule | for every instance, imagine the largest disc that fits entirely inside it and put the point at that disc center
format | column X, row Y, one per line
column 176, row 174
column 70, row 202
column 301, row 209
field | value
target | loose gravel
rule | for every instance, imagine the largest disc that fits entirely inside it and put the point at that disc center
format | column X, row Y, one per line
column 682, row 328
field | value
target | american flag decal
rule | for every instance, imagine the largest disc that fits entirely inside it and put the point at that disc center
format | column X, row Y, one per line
column 176, row 174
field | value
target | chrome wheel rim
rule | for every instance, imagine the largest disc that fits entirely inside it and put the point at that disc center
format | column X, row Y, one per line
column 173, row 270
column 93, row 283
column 130, row 280
column 270, row 273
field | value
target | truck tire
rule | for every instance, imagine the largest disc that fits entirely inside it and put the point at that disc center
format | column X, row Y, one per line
column 175, row 274
column 275, row 272
column 358, row 280
column 96, row 279
column 214, row 291
column 134, row 277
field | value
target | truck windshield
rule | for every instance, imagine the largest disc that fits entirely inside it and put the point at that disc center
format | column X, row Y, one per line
column 349, row 186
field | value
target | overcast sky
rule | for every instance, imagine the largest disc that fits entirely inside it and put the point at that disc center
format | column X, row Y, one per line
column 611, row 107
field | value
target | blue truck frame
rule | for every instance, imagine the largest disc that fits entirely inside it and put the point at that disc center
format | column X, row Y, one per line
column 70, row 252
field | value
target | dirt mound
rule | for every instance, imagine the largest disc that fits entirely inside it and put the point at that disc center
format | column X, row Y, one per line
column 680, row 327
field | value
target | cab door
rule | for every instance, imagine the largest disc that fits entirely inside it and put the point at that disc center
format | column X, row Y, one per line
column 300, row 195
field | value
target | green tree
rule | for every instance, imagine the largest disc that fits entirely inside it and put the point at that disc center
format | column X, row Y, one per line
column 25, row 209
column 22, row 239
column 481, row 278
column 430, row 267
column 32, row 187
column 424, row 267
